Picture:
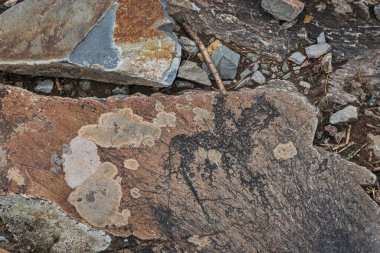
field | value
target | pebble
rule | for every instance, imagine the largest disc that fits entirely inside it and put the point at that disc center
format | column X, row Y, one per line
column 245, row 73
column 266, row 72
column 372, row 101
column 287, row 76
column 321, row 38
column 183, row 84
column 346, row 115
column 326, row 63
column 121, row 90
column 256, row 67
column 189, row 45
column 297, row 58
column 226, row 61
column 317, row 50
column 85, row 85
column 258, row 77
column 253, row 57
column 296, row 68
column 274, row 69
column 285, row 67
column 305, row 84
column 192, row 72
column 45, row 86
column 377, row 11
column 286, row 10
column 19, row 84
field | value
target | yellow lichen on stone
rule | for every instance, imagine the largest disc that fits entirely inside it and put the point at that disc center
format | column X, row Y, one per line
column 15, row 175
column 131, row 164
column 119, row 128
column 97, row 200
column 285, row 151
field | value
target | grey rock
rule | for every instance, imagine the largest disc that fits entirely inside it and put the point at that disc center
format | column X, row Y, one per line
column 253, row 57
column 266, row 72
column 258, row 77
column 90, row 41
column 243, row 83
column 45, row 86
column 183, row 84
column 317, row 50
column 285, row 67
column 321, row 38
column 346, row 115
column 326, row 63
column 192, row 72
column 121, row 90
column 255, row 67
column 283, row 9
column 297, row 58
column 375, row 139
column 85, row 85
column 274, row 69
column 226, row 61
column 377, row 11
column 287, row 76
column 19, row 84
column 245, row 73
column 305, row 84
column 295, row 68
column 189, row 45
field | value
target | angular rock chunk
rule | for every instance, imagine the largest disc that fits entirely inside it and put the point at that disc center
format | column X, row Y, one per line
column 206, row 172
column 283, row 9
column 124, row 41
column 192, row 72
column 317, row 50
column 226, row 62
column 346, row 115
column 297, row 58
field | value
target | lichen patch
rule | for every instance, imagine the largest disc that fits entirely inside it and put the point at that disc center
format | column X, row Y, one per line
column 121, row 128
column 135, row 193
column 200, row 241
column 131, row 164
column 201, row 115
column 165, row 119
column 97, row 200
column 285, row 151
column 212, row 155
column 80, row 161
column 15, row 175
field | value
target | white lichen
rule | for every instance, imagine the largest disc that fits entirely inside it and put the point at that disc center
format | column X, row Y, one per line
column 131, row 164
column 201, row 115
column 15, row 175
column 285, row 151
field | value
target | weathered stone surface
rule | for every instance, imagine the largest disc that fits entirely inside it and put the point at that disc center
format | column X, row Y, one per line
column 297, row 58
column 198, row 172
column 112, row 41
column 283, row 9
column 192, row 72
column 226, row 62
column 346, row 115
column 258, row 77
column 317, row 50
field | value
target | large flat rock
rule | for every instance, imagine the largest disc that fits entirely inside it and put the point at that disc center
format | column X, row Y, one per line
column 118, row 41
column 197, row 173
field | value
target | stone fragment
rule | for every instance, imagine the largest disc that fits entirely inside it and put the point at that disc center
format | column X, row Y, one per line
column 287, row 76
column 189, row 45
column 283, row 9
column 375, row 139
column 122, row 90
column 304, row 84
column 226, row 62
column 211, row 161
column 346, row 115
column 285, row 67
column 253, row 57
column 45, row 86
column 245, row 73
column 85, row 85
column 317, row 50
column 183, row 84
column 258, row 78
column 326, row 63
column 321, row 38
column 112, row 41
column 297, row 58
column 377, row 11
column 192, row 72
column 255, row 67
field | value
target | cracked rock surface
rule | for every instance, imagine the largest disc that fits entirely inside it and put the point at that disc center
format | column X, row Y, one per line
column 197, row 172
column 111, row 41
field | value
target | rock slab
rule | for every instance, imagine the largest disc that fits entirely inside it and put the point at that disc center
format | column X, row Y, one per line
column 346, row 115
column 112, row 41
column 198, row 172
column 283, row 9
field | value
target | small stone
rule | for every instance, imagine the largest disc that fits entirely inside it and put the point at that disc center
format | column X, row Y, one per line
column 348, row 114
column 256, row 67
column 372, row 101
column 67, row 85
column 253, row 57
column 192, row 72
column 297, row 72
column 19, row 84
column 305, row 84
column 183, row 84
column 189, row 45
column 317, row 50
column 85, row 85
column 274, row 69
column 258, row 77
column 287, row 76
column 121, row 90
column 266, row 72
column 375, row 144
column 45, row 86
column 245, row 73
column 297, row 58
column 283, row 9
column 321, row 38
column 326, row 63
column 226, row 61
column 296, row 68
column 377, row 11
column 285, row 67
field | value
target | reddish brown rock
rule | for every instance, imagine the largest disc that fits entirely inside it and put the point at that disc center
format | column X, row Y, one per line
column 198, row 172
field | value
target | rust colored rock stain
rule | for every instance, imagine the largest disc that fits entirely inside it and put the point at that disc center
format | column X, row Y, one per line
column 136, row 20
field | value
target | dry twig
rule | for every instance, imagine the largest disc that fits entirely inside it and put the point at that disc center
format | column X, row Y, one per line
column 348, row 134
column 207, row 57
column 347, row 146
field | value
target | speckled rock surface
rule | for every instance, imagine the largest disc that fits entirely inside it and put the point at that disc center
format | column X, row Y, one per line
column 111, row 41
column 198, row 172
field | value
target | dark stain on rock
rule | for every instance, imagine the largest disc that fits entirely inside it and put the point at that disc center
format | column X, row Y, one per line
column 90, row 197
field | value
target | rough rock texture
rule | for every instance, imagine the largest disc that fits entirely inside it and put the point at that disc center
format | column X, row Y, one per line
column 192, row 72
column 283, row 9
column 247, row 24
column 111, row 41
column 346, row 115
column 197, row 173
